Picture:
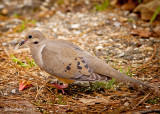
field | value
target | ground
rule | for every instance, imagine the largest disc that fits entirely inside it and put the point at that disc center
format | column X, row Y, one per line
column 118, row 37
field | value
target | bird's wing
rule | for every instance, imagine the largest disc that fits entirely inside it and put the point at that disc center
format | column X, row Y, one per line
column 64, row 59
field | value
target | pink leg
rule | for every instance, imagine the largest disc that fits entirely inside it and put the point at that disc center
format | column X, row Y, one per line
column 61, row 87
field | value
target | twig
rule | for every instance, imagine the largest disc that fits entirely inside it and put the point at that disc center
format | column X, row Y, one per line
column 145, row 64
column 148, row 111
column 120, row 109
column 39, row 91
column 143, row 100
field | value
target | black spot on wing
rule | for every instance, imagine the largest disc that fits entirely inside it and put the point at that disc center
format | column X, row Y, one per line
column 79, row 67
column 83, row 61
column 78, row 63
column 89, row 70
column 86, row 66
column 68, row 68
column 78, row 49
column 81, row 57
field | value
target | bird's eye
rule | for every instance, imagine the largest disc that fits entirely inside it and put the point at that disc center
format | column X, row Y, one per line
column 29, row 36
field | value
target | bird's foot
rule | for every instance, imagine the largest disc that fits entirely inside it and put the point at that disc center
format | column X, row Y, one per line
column 61, row 87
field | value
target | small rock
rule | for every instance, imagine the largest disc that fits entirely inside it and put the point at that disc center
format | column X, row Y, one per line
column 4, row 44
column 157, row 30
column 128, row 57
column 60, row 13
column 99, row 33
column 123, row 19
column 114, row 19
column 134, row 26
column 77, row 32
column 14, row 21
column 133, row 16
column 126, row 104
column 13, row 91
column 136, row 49
column 1, row 6
column 121, row 54
column 108, row 22
column 5, row 94
column 14, row 42
column 4, row 11
column 148, row 106
column 99, row 47
column 117, row 24
column 129, row 49
column 87, row 2
column 55, row 29
column 75, row 26
column 31, row 78
column 125, row 13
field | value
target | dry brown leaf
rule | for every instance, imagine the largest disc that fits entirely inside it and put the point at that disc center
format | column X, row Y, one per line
column 141, row 33
column 147, row 10
column 92, row 101
column 24, row 84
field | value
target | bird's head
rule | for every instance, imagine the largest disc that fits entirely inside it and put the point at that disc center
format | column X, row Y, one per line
column 33, row 37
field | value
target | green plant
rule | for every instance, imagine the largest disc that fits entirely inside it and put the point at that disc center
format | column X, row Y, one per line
column 24, row 25
column 139, row 1
column 15, row 15
column 19, row 62
column 21, row 27
column 129, row 72
column 155, row 14
column 111, row 84
column 105, row 85
column 108, row 59
column 60, row 2
column 154, row 100
column 31, row 63
column 61, row 100
column 103, row 6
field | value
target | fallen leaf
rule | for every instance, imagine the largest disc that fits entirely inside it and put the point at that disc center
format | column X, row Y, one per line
column 147, row 9
column 141, row 33
column 92, row 101
column 24, row 84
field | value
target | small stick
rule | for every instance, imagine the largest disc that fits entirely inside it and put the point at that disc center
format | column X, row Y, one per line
column 153, row 55
column 143, row 100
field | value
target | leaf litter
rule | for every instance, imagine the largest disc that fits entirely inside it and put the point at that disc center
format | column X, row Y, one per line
column 104, row 34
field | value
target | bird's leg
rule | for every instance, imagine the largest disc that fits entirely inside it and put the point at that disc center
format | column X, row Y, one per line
column 61, row 87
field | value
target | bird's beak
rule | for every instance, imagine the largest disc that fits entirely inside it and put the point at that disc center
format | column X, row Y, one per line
column 22, row 42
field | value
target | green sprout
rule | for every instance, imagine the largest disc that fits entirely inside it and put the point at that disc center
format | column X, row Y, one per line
column 103, row 6
column 15, row 15
column 31, row 63
column 20, row 63
column 22, row 26
column 105, row 85
column 155, row 14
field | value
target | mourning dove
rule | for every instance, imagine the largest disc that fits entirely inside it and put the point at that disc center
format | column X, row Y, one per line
column 67, row 62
